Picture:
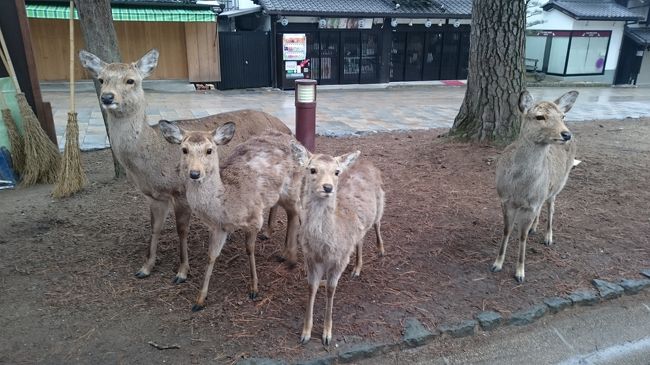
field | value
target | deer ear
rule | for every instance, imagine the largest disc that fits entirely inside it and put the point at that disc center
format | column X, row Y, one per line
column 345, row 161
column 526, row 101
column 300, row 153
column 171, row 132
column 148, row 63
column 565, row 102
column 223, row 134
column 91, row 63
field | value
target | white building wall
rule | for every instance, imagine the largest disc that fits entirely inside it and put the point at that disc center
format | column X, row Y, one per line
column 644, row 74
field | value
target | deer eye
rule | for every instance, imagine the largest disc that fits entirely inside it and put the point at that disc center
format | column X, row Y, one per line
column 540, row 117
column 312, row 170
column 184, row 151
column 209, row 151
column 101, row 81
column 130, row 81
column 337, row 172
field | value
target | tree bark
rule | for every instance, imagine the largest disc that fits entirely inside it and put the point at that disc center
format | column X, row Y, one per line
column 96, row 21
column 496, row 73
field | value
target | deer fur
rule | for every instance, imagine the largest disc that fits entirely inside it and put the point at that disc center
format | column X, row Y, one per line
column 151, row 163
column 533, row 170
column 342, row 199
column 259, row 174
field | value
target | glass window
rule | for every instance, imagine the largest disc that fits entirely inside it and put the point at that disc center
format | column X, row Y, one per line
column 587, row 53
column 557, row 56
column 535, row 48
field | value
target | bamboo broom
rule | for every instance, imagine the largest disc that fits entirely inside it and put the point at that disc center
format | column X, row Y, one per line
column 71, row 177
column 41, row 154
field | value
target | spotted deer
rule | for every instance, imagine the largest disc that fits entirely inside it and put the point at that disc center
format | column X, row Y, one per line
column 342, row 199
column 257, row 175
column 151, row 163
column 533, row 170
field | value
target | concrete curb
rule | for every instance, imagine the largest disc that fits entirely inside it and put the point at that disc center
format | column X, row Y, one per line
column 415, row 334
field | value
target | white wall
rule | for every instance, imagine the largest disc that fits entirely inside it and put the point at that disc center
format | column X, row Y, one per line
column 644, row 75
column 243, row 4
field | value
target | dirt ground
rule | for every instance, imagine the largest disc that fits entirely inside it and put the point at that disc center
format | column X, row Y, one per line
column 68, row 293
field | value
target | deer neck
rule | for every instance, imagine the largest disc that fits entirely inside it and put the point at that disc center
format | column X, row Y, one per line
column 531, row 153
column 206, row 197
column 129, row 130
column 320, row 216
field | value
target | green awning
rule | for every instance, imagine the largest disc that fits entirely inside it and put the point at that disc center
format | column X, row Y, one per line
column 127, row 14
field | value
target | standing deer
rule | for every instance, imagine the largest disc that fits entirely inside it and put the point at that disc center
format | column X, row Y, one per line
column 258, row 174
column 151, row 163
column 341, row 201
column 533, row 170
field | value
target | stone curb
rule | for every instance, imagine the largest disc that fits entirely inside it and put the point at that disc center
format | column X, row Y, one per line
column 415, row 334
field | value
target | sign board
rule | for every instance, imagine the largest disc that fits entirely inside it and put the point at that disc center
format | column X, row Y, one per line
column 294, row 47
column 346, row 23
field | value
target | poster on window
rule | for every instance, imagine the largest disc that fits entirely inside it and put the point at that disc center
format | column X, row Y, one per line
column 294, row 47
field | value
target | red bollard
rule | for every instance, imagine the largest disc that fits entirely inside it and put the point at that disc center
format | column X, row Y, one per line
column 306, row 113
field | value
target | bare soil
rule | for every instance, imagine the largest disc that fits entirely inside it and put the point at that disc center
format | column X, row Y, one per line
column 68, row 293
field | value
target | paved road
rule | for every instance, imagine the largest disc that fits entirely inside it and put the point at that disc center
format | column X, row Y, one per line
column 340, row 111
column 615, row 333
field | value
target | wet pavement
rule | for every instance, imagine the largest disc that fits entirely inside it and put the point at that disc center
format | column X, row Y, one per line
column 339, row 111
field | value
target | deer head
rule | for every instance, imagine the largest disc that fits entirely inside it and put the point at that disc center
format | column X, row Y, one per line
column 199, row 149
column 322, row 171
column 544, row 121
column 121, row 83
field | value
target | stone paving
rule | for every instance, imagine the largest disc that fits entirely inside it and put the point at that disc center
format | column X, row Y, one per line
column 339, row 111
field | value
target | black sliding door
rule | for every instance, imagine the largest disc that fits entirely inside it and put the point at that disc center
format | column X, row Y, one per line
column 449, row 69
column 329, row 58
column 370, row 48
column 432, row 56
column 414, row 56
column 351, row 53
column 397, row 57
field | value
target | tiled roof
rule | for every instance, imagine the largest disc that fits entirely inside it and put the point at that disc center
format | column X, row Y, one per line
column 592, row 9
column 378, row 8
column 640, row 35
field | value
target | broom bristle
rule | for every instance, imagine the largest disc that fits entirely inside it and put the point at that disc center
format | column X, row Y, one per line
column 71, row 177
column 42, row 156
column 16, row 141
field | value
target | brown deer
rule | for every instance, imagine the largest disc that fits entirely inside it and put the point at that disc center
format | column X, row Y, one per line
column 342, row 199
column 151, row 163
column 533, row 170
column 258, row 174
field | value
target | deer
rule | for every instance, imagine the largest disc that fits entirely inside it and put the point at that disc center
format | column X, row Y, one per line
column 259, row 173
column 151, row 164
column 533, row 170
column 342, row 198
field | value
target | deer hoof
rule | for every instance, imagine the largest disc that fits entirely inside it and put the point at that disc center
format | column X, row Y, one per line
column 355, row 274
column 304, row 339
column 548, row 242
column 141, row 274
column 327, row 340
column 520, row 279
column 263, row 236
column 495, row 268
column 532, row 232
column 252, row 295
column 178, row 279
column 197, row 307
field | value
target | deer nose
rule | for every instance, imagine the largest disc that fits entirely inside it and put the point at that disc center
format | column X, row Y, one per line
column 195, row 174
column 327, row 188
column 566, row 136
column 107, row 98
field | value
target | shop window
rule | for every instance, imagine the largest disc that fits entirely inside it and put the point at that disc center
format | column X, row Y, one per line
column 587, row 53
column 557, row 56
column 535, row 49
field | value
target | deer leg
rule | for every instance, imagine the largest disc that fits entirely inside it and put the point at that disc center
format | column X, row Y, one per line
column 159, row 210
column 550, row 204
column 250, row 251
column 380, row 240
column 217, row 240
column 356, row 272
column 268, row 230
column 183, row 213
column 525, row 220
column 314, row 274
column 332, row 281
column 533, row 228
column 291, row 240
column 508, row 225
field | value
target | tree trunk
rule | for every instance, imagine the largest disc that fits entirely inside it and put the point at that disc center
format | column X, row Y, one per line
column 100, row 39
column 496, row 72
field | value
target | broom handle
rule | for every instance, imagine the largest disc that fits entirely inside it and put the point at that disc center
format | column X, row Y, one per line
column 6, row 59
column 71, row 56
